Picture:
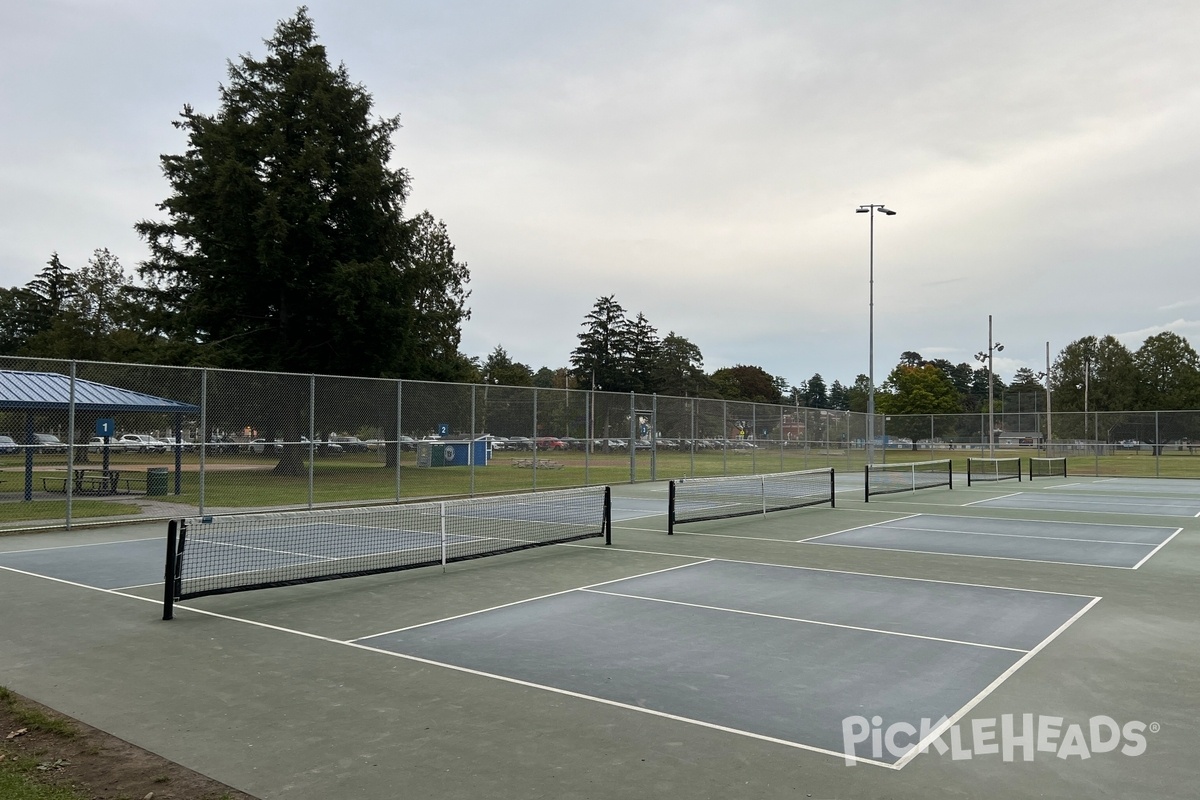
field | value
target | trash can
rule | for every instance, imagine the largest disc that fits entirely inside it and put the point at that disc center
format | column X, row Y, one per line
column 156, row 480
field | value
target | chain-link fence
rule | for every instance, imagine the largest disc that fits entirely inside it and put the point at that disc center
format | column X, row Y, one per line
column 94, row 441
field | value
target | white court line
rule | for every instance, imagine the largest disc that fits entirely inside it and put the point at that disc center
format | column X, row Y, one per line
column 1054, row 522
column 845, row 571
column 78, row 585
column 924, row 744
column 701, row 560
column 161, row 539
column 1015, row 535
column 1160, row 547
column 1067, row 485
column 970, row 555
column 1140, row 502
column 642, row 530
column 861, row 628
column 986, row 499
column 862, row 527
column 732, row 536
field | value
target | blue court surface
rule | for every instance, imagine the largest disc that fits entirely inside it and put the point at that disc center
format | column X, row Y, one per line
column 1074, row 543
column 1151, row 486
column 1108, row 503
column 778, row 653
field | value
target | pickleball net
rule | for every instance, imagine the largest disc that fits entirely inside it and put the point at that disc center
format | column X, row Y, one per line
column 907, row 477
column 239, row 552
column 1047, row 467
column 993, row 469
column 699, row 499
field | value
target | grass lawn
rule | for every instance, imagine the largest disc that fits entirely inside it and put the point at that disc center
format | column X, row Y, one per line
column 248, row 481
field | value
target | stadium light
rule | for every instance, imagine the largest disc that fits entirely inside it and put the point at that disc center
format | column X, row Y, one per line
column 988, row 357
column 870, row 209
column 1049, row 417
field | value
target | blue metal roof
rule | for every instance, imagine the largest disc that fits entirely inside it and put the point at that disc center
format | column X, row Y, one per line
column 41, row 391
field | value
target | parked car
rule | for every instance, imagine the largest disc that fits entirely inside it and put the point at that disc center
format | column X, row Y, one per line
column 326, row 448
column 351, row 444
column 142, row 443
column 7, row 445
column 222, row 444
column 260, row 446
column 49, row 443
column 519, row 443
column 550, row 443
column 98, row 443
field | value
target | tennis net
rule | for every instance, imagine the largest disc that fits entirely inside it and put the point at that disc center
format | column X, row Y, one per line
column 993, row 469
column 698, row 499
column 239, row 552
column 891, row 478
column 1047, row 467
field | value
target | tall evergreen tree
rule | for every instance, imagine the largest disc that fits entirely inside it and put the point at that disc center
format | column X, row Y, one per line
column 643, row 343
column 679, row 367
column 815, row 393
column 601, row 360
column 839, row 396
column 284, row 246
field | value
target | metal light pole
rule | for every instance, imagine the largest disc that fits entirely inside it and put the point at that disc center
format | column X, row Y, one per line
column 1087, row 369
column 870, row 209
column 1049, row 436
column 989, row 357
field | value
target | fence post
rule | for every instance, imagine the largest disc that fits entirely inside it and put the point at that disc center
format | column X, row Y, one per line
column 654, row 437
column 534, row 449
column 400, row 417
column 69, row 484
column 632, row 438
column 203, row 434
column 724, row 437
column 471, row 444
column 312, row 443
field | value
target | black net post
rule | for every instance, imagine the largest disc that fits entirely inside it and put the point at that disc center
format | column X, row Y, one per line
column 169, row 571
column 867, row 483
column 832, row 490
column 671, row 508
column 607, row 515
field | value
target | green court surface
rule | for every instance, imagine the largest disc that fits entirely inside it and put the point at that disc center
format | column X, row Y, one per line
column 1053, row 623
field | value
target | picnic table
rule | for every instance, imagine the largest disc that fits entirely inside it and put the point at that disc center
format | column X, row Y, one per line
column 89, row 480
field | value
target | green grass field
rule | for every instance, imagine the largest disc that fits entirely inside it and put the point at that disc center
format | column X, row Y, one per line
column 246, row 480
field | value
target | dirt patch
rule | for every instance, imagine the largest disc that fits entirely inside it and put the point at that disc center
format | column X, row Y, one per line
column 58, row 750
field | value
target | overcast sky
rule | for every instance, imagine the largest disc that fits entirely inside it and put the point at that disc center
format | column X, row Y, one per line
column 701, row 161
